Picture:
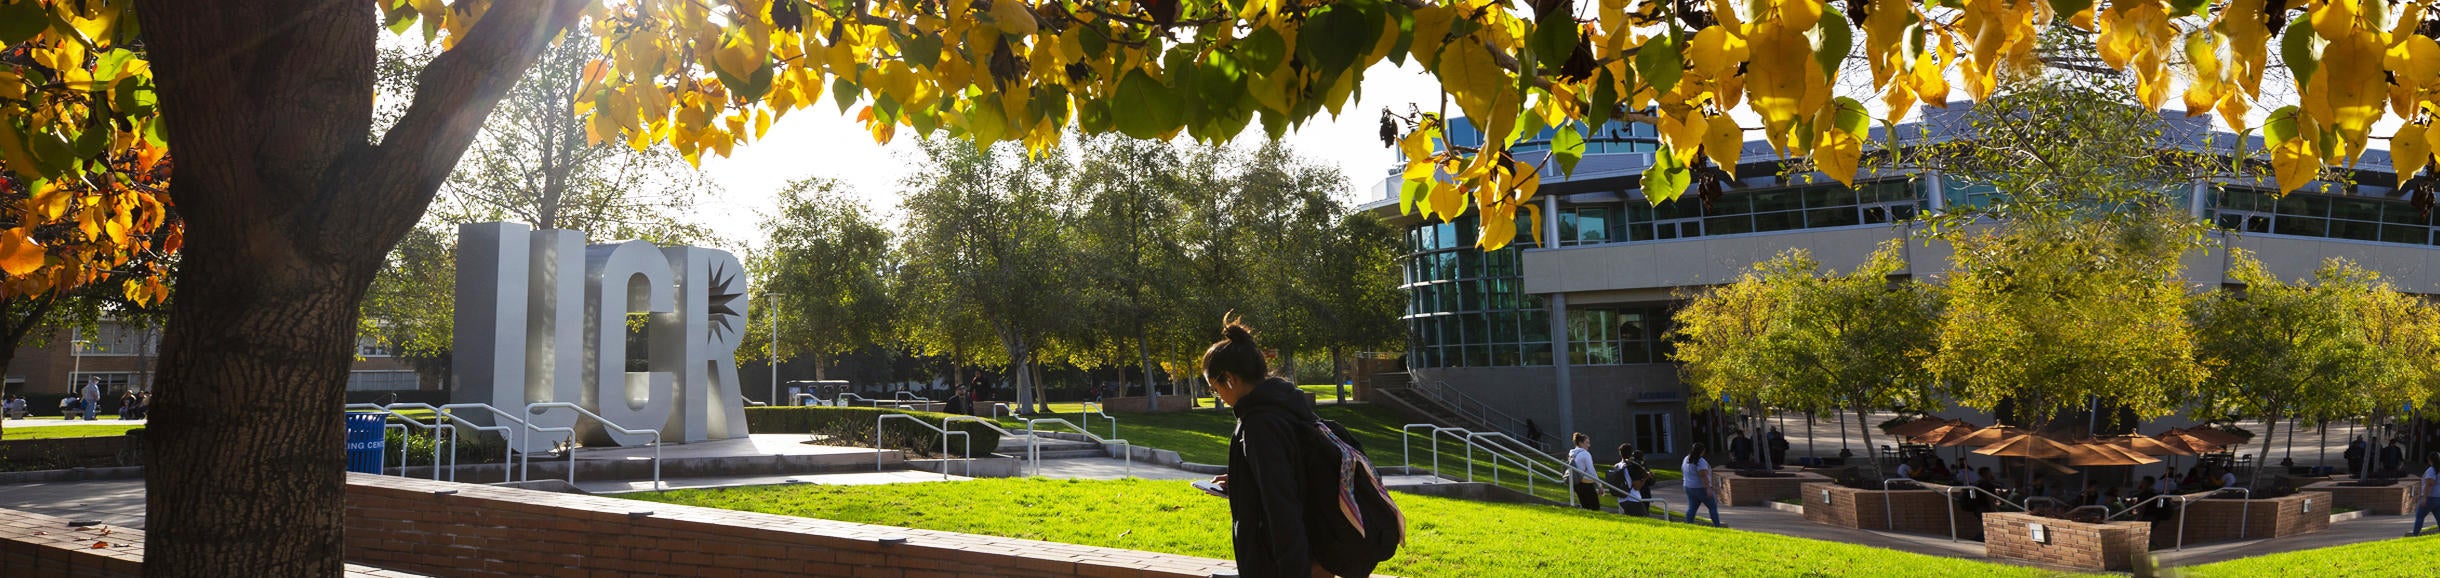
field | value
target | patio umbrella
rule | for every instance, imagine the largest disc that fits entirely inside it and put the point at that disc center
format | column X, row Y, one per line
column 2188, row 441
column 2026, row 446
column 1982, row 437
column 2215, row 436
column 2146, row 445
column 1921, row 425
column 2099, row 453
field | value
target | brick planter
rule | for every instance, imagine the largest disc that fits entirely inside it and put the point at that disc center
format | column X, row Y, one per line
column 1916, row 511
column 1738, row 490
column 2391, row 500
column 2078, row 545
column 2218, row 520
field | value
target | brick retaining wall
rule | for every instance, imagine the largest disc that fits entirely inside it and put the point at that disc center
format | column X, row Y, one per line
column 38, row 546
column 1738, row 490
column 2391, row 500
column 2078, row 545
column 2217, row 520
column 494, row 531
column 1916, row 511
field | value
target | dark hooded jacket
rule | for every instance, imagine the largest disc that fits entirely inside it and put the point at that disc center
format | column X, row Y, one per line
column 1272, row 481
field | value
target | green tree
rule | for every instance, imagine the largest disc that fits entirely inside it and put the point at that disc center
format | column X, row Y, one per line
column 985, row 238
column 829, row 262
column 1354, row 290
column 412, row 303
column 2046, row 315
column 2402, row 334
column 1130, row 240
column 2280, row 349
column 1789, row 334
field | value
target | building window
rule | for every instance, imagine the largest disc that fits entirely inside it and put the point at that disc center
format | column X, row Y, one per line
column 1652, row 433
column 382, row 380
column 111, row 382
column 114, row 338
column 1617, row 335
column 1467, row 307
column 369, row 346
column 1767, row 210
column 2356, row 217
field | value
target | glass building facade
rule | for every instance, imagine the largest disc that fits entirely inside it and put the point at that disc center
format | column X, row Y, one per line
column 2362, row 217
column 1467, row 307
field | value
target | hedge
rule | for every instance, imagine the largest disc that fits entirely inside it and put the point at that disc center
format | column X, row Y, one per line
column 853, row 426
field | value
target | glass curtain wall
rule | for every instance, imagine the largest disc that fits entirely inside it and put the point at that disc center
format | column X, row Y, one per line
column 1467, row 307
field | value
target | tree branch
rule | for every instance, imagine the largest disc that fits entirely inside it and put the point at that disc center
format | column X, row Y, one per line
column 453, row 96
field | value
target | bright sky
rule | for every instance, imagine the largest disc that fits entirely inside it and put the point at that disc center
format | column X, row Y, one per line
column 819, row 141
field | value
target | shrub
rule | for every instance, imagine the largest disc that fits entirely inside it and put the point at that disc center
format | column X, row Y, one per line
column 853, row 426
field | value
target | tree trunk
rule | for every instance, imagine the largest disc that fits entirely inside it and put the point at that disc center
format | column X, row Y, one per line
column 1143, row 353
column 290, row 210
column 2270, row 434
column 246, row 474
column 1864, row 428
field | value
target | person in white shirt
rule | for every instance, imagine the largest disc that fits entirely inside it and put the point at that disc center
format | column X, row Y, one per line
column 1965, row 477
column 2167, row 483
column 1698, row 488
column 1580, row 462
column 2228, row 479
column 2431, row 494
column 1906, row 470
column 93, row 397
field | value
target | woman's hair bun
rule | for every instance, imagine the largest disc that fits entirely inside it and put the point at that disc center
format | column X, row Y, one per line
column 1237, row 332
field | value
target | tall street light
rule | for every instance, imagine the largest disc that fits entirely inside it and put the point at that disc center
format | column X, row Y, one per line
column 774, row 346
column 76, row 351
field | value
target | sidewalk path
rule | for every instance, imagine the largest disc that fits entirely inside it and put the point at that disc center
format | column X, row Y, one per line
column 113, row 502
column 53, row 421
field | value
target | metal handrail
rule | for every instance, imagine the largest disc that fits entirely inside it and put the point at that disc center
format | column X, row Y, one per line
column 1533, row 467
column 1093, row 408
column 440, row 413
column 1947, row 494
column 845, row 395
column 2182, row 502
column 996, row 407
column 799, row 399
column 1406, row 449
column 944, row 442
column 516, row 445
column 1536, row 468
column 433, row 427
column 538, row 408
column 908, row 396
column 1032, row 427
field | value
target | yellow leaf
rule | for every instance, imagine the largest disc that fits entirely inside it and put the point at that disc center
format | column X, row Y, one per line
column 1716, row 53
column 1431, row 29
column 1445, row 200
column 19, row 254
column 2356, row 89
column 1013, row 17
column 1533, row 216
column 1836, row 153
column 1777, row 79
column 1684, row 130
column 1724, row 142
column 2409, row 150
column 2294, row 165
column 1483, row 90
column 1417, row 145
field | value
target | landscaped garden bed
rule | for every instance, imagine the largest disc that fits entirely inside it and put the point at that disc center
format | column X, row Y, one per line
column 1445, row 537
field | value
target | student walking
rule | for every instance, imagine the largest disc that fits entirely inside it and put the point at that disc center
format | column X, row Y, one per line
column 92, row 397
column 1580, row 461
column 2431, row 493
column 1698, row 487
column 1631, row 477
column 1303, row 499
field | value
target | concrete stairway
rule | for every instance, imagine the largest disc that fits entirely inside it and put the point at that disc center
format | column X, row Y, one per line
column 1053, row 447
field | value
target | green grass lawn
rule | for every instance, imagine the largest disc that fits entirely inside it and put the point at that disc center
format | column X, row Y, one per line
column 1201, row 436
column 2393, row 557
column 66, row 431
column 1446, row 537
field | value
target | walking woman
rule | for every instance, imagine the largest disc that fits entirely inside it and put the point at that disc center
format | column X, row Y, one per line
column 1588, row 495
column 1273, row 469
column 1698, row 487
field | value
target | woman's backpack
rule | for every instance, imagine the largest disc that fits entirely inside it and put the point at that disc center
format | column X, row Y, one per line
column 1368, row 527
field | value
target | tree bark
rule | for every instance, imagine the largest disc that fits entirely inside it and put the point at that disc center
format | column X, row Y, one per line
column 2270, row 431
column 1143, row 352
column 1863, row 426
column 290, row 210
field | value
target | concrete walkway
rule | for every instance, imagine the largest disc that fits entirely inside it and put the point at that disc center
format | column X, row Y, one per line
column 113, row 502
column 15, row 423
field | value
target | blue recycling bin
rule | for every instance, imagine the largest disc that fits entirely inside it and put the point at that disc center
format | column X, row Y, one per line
column 365, row 442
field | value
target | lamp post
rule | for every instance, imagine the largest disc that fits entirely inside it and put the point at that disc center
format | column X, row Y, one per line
column 76, row 351
column 774, row 347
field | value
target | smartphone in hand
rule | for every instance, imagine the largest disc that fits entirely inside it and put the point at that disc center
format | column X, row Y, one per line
column 1216, row 490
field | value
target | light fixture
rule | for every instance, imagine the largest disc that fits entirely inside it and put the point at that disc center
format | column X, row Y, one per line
column 2040, row 535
